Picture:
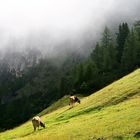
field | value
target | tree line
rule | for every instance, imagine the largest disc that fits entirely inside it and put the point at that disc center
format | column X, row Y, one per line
column 113, row 57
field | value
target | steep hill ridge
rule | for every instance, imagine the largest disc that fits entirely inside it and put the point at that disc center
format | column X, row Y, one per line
column 111, row 113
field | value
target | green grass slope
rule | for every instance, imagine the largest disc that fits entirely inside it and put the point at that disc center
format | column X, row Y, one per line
column 111, row 113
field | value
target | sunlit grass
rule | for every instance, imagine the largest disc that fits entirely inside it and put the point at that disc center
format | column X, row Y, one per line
column 111, row 113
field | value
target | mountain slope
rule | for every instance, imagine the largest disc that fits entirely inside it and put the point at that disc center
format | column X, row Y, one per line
column 111, row 113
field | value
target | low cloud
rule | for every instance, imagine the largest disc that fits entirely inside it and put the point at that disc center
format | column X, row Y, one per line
column 51, row 24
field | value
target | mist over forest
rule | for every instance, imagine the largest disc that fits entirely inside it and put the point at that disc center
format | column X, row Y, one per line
column 54, row 27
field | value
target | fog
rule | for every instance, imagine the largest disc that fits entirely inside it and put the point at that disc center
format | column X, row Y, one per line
column 55, row 25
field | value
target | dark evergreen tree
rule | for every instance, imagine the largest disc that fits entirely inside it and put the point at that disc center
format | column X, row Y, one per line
column 137, row 28
column 137, row 50
column 106, row 39
column 121, row 38
column 80, row 75
column 110, row 59
column 97, row 56
column 90, row 71
column 108, row 51
column 131, row 56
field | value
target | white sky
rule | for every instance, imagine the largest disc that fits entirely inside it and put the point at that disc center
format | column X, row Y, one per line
column 24, row 15
column 58, row 17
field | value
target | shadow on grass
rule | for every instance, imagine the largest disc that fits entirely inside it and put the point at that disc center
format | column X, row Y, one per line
column 15, row 137
column 137, row 135
column 66, row 110
column 27, row 134
column 32, row 132
column 74, row 114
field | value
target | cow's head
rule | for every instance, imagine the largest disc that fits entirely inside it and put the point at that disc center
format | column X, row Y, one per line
column 42, row 124
column 79, row 101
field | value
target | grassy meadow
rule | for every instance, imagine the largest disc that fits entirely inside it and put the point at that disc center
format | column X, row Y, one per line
column 111, row 113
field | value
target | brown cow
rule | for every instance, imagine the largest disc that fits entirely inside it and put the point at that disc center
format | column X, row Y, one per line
column 74, row 99
column 36, row 121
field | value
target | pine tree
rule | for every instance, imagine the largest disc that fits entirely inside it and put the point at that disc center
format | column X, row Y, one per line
column 106, row 39
column 131, row 53
column 91, row 71
column 121, row 38
column 137, row 50
column 137, row 28
column 97, row 56
column 110, row 59
column 108, row 51
column 79, row 75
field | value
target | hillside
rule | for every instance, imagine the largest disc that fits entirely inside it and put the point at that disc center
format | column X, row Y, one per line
column 111, row 113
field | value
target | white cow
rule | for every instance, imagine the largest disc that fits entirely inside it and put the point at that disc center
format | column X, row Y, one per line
column 36, row 121
column 74, row 99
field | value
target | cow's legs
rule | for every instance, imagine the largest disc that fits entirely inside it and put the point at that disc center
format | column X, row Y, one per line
column 73, row 104
column 34, row 128
column 38, row 127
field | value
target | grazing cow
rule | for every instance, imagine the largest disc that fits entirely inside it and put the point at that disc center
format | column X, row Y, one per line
column 36, row 121
column 74, row 99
